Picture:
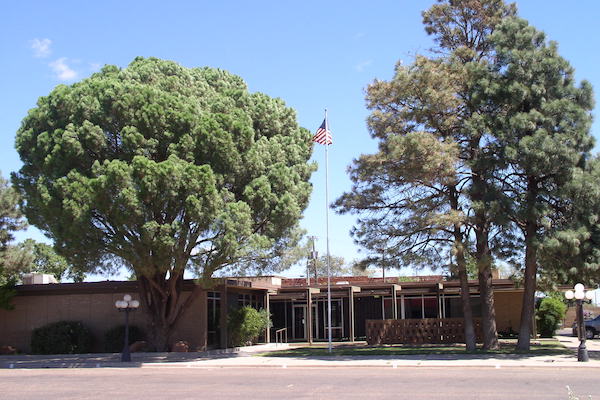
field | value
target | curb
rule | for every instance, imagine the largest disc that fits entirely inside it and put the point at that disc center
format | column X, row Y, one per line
column 299, row 364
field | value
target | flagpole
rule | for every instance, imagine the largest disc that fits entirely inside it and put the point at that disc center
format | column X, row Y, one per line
column 327, row 235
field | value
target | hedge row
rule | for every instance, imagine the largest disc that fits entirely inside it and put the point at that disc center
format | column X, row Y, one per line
column 73, row 337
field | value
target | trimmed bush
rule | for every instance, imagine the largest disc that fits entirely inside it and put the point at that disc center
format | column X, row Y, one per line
column 246, row 324
column 549, row 315
column 115, row 337
column 63, row 337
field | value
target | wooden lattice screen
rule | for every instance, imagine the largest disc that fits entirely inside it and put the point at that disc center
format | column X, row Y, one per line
column 418, row 331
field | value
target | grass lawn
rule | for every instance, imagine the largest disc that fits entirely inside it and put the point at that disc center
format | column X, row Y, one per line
column 538, row 347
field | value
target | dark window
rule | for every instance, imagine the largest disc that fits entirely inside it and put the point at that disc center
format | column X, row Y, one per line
column 388, row 308
column 213, row 315
column 430, row 306
column 412, row 307
column 454, row 307
column 251, row 300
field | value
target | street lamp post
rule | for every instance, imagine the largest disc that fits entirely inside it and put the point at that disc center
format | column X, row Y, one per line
column 580, row 295
column 126, row 305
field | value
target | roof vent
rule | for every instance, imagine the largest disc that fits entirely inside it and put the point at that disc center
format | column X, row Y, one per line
column 37, row 278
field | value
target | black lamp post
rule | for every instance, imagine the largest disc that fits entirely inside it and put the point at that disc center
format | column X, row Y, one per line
column 580, row 296
column 126, row 305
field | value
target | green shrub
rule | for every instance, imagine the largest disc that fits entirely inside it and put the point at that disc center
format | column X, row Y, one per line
column 63, row 337
column 549, row 315
column 115, row 337
column 246, row 324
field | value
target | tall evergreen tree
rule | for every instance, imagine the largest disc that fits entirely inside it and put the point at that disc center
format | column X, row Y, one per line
column 570, row 251
column 428, row 117
column 462, row 28
column 13, row 259
column 542, row 133
column 406, row 196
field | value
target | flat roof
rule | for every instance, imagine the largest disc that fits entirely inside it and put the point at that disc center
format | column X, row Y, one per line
column 118, row 287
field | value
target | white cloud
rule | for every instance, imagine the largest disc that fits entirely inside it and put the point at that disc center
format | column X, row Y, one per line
column 41, row 47
column 62, row 69
column 361, row 66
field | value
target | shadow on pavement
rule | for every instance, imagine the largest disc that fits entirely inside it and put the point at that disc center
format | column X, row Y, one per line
column 104, row 360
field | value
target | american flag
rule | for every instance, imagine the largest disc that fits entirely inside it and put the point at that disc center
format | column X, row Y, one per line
column 323, row 136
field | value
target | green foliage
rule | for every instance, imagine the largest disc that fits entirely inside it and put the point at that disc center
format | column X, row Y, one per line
column 442, row 21
column 542, row 136
column 30, row 256
column 337, row 266
column 47, row 261
column 246, row 324
column 11, row 218
column 114, row 338
column 160, row 168
column 484, row 151
column 176, row 155
column 7, row 292
column 543, row 130
column 571, row 251
column 13, row 259
column 63, row 337
column 549, row 315
column 300, row 256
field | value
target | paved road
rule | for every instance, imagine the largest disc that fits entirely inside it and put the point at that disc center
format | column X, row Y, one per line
column 424, row 383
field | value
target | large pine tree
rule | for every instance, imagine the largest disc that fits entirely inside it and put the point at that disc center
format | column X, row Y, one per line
column 162, row 168
column 542, row 135
column 426, row 117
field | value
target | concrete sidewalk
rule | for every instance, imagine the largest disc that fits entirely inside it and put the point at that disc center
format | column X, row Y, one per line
column 247, row 358
column 97, row 360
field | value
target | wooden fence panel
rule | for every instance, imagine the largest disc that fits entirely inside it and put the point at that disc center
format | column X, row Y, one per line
column 418, row 331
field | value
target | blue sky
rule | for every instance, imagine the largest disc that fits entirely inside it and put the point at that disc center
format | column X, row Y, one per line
column 312, row 54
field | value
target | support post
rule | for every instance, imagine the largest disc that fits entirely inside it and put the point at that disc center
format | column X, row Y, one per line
column 223, row 318
column 402, row 309
column 582, row 353
column 394, row 303
column 440, row 287
column 268, row 308
column 309, row 316
column 351, row 312
column 126, row 355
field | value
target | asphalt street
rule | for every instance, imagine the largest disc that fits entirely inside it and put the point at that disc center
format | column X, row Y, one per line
column 300, row 383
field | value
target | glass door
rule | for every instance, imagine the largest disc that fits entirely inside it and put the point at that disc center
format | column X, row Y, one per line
column 315, row 318
column 299, row 321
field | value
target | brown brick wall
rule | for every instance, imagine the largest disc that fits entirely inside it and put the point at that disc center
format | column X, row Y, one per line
column 508, row 310
column 97, row 311
column 192, row 325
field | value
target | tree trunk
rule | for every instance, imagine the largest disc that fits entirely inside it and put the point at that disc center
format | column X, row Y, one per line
column 486, row 290
column 159, row 335
column 470, row 339
column 163, row 302
column 530, row 281
column 484, row 264
column 480, row 197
